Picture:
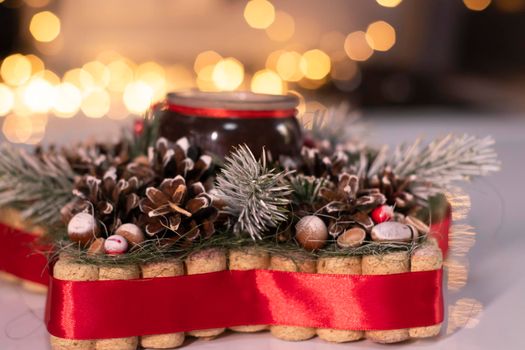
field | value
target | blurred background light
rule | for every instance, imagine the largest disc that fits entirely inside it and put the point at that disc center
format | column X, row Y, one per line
column 37, row 3
column 228, row 74
column 45, row 26
column 67, row 100
column 37, row 65
column 315, row 64
column 120, row 75
column 282, row 28
column 95, row 103
column 39, row 95
column 138, row 96
column 259, row 14
column 477, row 5
column 99, row 72
column 7, row 100
column 388, row 3
column 267, row 82
column 16, row 69
column 357, row 47
column 380, row 36
column 288, row 66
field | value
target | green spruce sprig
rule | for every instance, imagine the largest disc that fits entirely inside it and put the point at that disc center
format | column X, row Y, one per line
column 39, row 186
column 256, row 197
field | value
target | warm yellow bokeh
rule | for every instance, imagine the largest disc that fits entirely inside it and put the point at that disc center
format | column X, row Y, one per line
column 380, row 36
column 259, row 14
column 273, row 57
column 288, row 66
column 389, row 3
column 37, row 65
column 17, row 128
column 121, row 75
column 154, row 75
column 95, row 103
column 99, row 72
column 16, row 69
column 45, row 26
column 39, row 95
column 283, row 28
column 477, row 5
column 80, row 78
column 138, row 97
column 206, row 58
column 205, row 79
column 228, row 74
column 67, row 100
column 315, row 64
column 179, row 77
column 267, row 82
column 357, row 47
column 7, row 100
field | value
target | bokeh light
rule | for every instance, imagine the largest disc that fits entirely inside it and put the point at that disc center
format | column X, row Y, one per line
column 205, row 79
column 39, row 95
column 120, row 74
column 67, row 100
column 16, row 70
column 49, row 76
column 259, row 14
column 283, row 28
column 267, row 82
column 80, row 78
column 7, row 100
column 288, row 66
column 228, row 74
column 315, row 64
column 45, row 26
column 357, row 47
column 388, row 3
column 380, row 36
column 17, row 128
column 95, row 103
column 154, row 75
column 99, row 72
column 477, row 5
column 179, row 77
column 37, row 65
column 206, row 58
column 138, row 97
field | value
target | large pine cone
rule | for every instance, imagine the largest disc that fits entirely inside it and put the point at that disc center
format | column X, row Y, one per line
column 177, row 207
column 396, row 190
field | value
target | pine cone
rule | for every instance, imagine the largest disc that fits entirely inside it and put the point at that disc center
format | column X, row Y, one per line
column 395, row 189
column 314, row 162
column 178, row 207
column 347, row 204
column 113, row 201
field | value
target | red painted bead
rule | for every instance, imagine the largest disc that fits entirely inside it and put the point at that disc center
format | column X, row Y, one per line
column 382, row 213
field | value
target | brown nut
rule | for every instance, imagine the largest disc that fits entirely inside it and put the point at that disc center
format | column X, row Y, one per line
column 351, row 238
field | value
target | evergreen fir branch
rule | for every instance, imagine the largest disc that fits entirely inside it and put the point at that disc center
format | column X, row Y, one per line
column 38, row 186
column 305, row 189
column 256, row 197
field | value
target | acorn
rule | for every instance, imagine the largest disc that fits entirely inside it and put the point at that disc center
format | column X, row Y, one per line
column 115, row 245
column 311, row 232
column 132, row 233
column 83, row 228
column 351, row 238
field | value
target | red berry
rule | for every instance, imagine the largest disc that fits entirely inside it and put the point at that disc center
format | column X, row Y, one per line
column 382, row 213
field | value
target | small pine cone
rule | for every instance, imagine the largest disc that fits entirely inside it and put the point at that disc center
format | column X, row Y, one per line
column 395, row 189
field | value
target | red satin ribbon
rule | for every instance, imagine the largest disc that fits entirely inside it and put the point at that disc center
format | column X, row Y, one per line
column 228, row 113
column 18, row 255
column 114, row 309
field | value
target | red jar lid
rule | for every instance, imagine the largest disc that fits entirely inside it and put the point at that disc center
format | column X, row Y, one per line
column 232, row 104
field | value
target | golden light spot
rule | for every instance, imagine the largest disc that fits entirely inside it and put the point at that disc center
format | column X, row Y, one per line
column 267, row 82
column 38, row 128
column 7, row 100
column 138, row 97
column 205, row 79
column 259, row 14
column 17, row 129
column 283, row 28
column 273, row 57
column 465, row 313
column 20, row 108
column 39, row 95
column 80, row 78
column 206, row 58
column 121, row 75
column 99, row 72
column 388, row 3
column 68, row 100
column 357, row 47
column 49, row 76
column 477, row 5
column 315, row 64
column 228, row 74
column 95, row 103
column 37, row 65
column 51, row 48
column 332, row 41
column 381, row 36
column 288, row 66
column 15, row 69
column 45, row 26
column 154, row 75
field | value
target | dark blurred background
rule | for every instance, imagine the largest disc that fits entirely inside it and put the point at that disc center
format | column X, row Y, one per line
column 111, row 59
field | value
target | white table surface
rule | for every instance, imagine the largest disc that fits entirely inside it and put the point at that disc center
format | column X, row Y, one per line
column 487, row 312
